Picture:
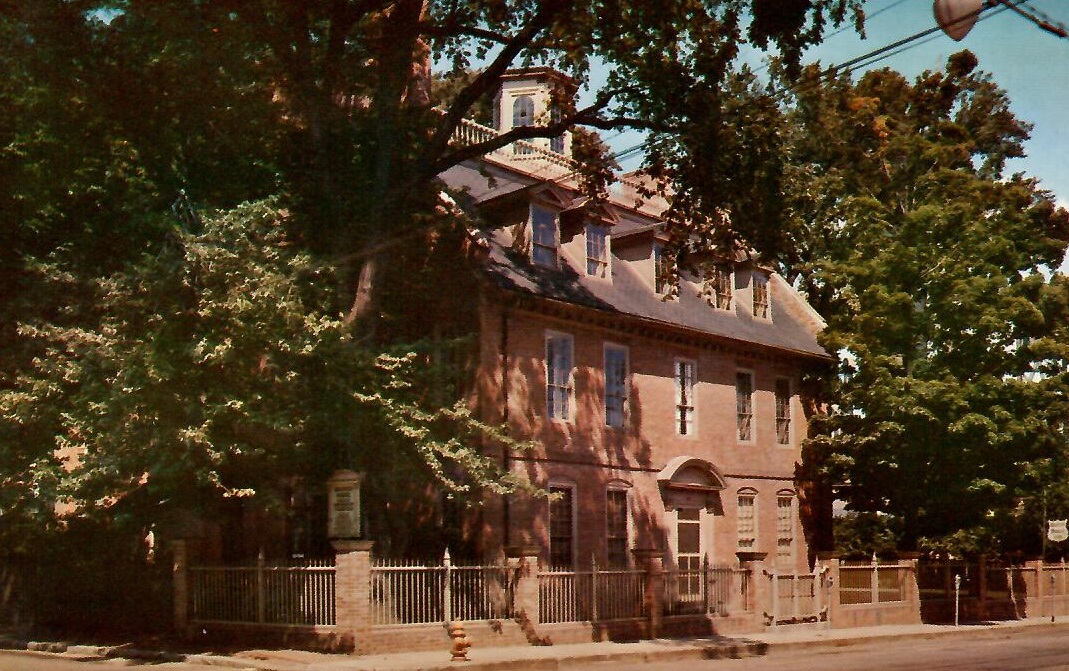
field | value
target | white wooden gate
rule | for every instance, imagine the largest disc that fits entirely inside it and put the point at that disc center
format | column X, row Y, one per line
column 794, row 598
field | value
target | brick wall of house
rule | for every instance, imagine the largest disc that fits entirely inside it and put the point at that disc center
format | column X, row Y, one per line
column 590, row 456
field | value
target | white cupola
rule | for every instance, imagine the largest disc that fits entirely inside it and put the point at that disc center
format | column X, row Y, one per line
column 526, row 99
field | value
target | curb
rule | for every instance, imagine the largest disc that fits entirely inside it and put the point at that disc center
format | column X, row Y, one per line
column 697, row 650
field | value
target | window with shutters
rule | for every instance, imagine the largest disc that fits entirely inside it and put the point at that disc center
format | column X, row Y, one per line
column 785, row 528
column 746, row 522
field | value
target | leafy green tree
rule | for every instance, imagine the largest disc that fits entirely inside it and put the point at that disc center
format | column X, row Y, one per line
column 931, row 266
column 118, row 106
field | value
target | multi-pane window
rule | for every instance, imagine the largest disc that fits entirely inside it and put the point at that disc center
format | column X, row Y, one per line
column 746, row 523
column 744, row 405
column 562, row 527
column 522, row 115
column 522, row 111
column 783, row 411
column 662, row 270
column 688, row 550
column 684, row 397
column 785, row 529
column 722, row 287
column 597, row 251
column 616, row 527
column 543, row 237
column 760, row 296
column 559, row 376
column 616, row 384
column 556, row 143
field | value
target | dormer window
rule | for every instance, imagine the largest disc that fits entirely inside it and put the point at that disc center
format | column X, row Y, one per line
column 597, row 251
column 760, row 296
column 543, row 237
column 722, row 287
column 662, row 270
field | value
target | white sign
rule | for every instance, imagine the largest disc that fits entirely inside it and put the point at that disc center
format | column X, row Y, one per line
column 1057, row 530
column 343, row 505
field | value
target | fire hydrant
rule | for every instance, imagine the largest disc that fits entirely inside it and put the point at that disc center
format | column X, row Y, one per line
column 460, row 642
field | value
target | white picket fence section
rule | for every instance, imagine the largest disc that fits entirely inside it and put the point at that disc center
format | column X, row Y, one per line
column 590, row 596
column 712, row 589
column 405, row 592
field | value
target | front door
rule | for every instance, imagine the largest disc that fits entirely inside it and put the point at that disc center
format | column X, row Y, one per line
column 689, row 555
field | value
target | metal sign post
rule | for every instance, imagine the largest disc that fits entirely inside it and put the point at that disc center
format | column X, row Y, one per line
column 957, row 597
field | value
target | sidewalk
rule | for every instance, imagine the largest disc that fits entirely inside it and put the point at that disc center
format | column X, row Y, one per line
column 552, row 658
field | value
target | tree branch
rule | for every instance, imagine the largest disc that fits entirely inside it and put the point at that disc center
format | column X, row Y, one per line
column 489, row 78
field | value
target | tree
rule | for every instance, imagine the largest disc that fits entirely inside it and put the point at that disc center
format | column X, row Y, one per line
column 329, row 105
column 932, row 268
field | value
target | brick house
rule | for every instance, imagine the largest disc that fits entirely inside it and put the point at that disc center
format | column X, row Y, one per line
column 666, row 422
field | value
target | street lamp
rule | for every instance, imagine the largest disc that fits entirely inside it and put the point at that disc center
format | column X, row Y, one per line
column 957, row 17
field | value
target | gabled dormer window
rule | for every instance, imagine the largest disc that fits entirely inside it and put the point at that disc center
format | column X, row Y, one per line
column 662, row 269
column 597, row 251
column 543, row 237
column 760, row 296
column 722, row 287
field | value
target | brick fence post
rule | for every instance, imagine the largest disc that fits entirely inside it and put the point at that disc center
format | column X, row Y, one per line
column 352, row 595
column 523, row 563
column 832, row 580
column 764, row 602
column 653, row 561
column 180, row 585
column 1033, row 594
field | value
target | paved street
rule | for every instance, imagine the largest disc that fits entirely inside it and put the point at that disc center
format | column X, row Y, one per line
column 24, row 661
column 1036, row 649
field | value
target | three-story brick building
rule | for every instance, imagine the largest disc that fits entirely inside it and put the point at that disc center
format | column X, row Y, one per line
column 666, row 418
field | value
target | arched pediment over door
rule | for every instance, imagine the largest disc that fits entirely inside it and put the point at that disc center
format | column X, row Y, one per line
column 691, row 482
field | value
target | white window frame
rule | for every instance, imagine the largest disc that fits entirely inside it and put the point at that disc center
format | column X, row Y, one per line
column 662, row 281
column 598, row 263
column 686, row 406
column 538, row 245
column 574, row 515
column 761, row 309
column 618, row 489
column 555, row 387
column 556, row 143
column 625, row 391
column 522, row 147
column 723, row 281
column 749, row 410
column 786, row 529
column 746, row 534
column 786, row 417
